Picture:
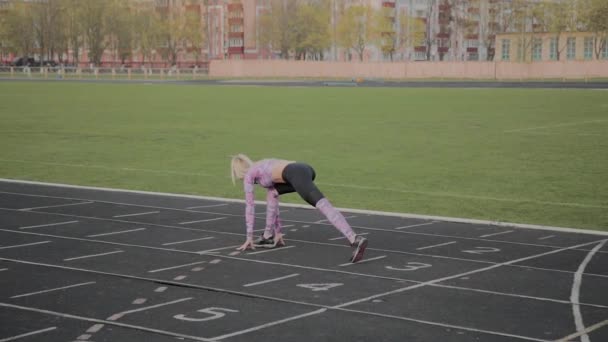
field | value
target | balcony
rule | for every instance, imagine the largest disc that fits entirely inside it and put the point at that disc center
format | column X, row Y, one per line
column 235, row 21
column 472, row 49
column 420, row 48
column 236, row 35
column 388, row 4
column 236, row 50
column 443, row 49
column 443, row 35
column 474, row 36
column 235, row 7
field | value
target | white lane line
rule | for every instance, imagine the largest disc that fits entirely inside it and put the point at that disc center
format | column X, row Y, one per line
column 174, row 267
column 287, row 225
column 546, row 237
column 121, row 314
column 415, row 225
column 3, row 269
column 216, row 250
column 28, row 334
column 185, row 241
column 83, row 337
column 181, row 277
column 197, row 269
column 160, row 289
column 362, row 261
column 207, row 220
column 208, row 206
column 24, row 245
column 475, row 271
column 346, row 217
column 139, row 301
column 118, row 232
column 55, row 206
column 138, row 214
column 241, row 332
column 575, row 293
column 271, row 280
column 94, row 320
column 342, row 237
column 51, row 290
column 234, row 253
column 95, row 328
column 439, row 245
column 215, row 261
column 499, row 233
column 271, row 250
column 48, row 225
column 92, row 255
column 588, row 330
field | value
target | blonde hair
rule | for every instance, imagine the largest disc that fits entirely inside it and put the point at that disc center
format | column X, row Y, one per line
column 239, row 165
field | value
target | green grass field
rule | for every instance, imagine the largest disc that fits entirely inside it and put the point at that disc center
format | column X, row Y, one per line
column 525, row 156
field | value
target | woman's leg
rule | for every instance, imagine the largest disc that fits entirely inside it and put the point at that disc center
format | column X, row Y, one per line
column 300, row 177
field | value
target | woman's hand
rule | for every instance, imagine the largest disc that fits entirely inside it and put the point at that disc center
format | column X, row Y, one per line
column 248, row 243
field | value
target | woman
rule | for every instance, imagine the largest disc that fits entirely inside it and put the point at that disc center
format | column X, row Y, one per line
column 281, row 177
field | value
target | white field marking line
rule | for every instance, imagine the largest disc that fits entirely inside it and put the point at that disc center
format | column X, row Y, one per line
column 55, row 206
column 95, row 328
column 438, row 280
column 298, row 266
column 360, row 211
column 92, row 255
column 139, row 301
column 477, row 197
column 555, row 125
column 175, row 267
column 271, row 280
column 546, row 237
column 415, row 225
column 588, row 330
column 100, row 321
column 24, row 245
column 575, row 293
column 216, row 250
column 291, row 205
column 209, row 206
column 51, row 290
column 288, row 225
column 137, row 214
column 514, row 295
column 186, row 241
column 363, row 261
column 83, row 337
column 499, row 233
column 563, row 134
column 3, row 269
column 457, row 327
column 48, row 225
column 160, row 289
column 343, row 237
column 207, row 220
column 259, row 327
column 181, row 277
column 118, row 232
column 169, row 172
column 271, row 250
column 124, row 313
column 28, row 334
column 438, row 245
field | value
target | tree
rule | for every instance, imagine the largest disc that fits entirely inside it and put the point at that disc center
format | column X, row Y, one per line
column 73, row 28
column 412, row 31
column 277, row 29
column 561, row 18
column 147, row 32
column 194, row 35
column 94, row 13
column 19, row 29
column 384, row 31
column 46, row 17
column 311, row 30
column 355, row 29
column 594, row 19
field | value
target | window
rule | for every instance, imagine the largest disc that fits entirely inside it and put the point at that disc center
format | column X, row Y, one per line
column 588, row 48
column 553, row 49
column 605, row 50
column 571, row 48
column 537, row 49
column 506, row 47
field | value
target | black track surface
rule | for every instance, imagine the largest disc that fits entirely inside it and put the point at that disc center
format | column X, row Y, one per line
column 77, row 265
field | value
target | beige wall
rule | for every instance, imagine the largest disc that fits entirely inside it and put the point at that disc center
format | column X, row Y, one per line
column 411, row 70
column 545, row 38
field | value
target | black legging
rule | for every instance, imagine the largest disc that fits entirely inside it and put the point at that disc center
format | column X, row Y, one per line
column 299, row 178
